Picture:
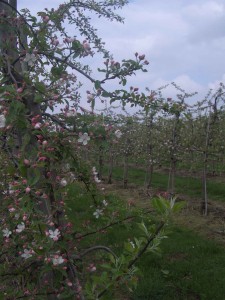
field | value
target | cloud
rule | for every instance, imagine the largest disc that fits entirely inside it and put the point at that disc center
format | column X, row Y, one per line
column 216, row 84
column 183, row 40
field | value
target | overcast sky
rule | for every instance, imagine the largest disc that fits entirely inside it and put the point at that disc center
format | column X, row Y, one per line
column 184, row 41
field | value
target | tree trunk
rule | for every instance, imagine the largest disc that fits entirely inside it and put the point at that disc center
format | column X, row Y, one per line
column 14, row 76
column 125, row 172
column 100, row 162
column 111, row 161
column 149, row 153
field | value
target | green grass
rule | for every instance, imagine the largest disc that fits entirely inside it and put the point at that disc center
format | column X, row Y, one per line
column 190, row 268
column 183, row 185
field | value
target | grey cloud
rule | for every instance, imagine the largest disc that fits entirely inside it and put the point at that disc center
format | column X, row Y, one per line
column 184, row 40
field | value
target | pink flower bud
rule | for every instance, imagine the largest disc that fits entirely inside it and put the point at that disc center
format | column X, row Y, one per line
column 19, row 90
column 28, row 189
column 37, row 126
column 55, row 42
column 142, row 57
column 69, row 283
column 45, row 19
column 26, row 162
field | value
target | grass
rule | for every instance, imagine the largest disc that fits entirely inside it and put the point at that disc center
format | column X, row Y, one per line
column 190, row 267
column 183, row 185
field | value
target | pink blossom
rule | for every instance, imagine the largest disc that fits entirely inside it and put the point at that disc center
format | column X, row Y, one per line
column 45, row 19
column 26, row 162
column 12, row 209
column 19, row 90
column 37, row 125
column 55, row 42
column 28, row 189
column 54, row 234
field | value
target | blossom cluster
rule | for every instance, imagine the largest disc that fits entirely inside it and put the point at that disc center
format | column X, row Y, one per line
column 95, row 174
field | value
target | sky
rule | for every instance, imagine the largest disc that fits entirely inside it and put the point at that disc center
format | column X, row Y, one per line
column 184, row 41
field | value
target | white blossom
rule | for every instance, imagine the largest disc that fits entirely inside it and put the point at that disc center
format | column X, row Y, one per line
column 97, row 180
column 98, row 213
column 54, row 234
column 20, row 227
column 104, row 202
column 118, row 133
column 6, row 232
column 94, row 171
column 30, row 59
column 71, row 113
column 84, row 138
column 57, row 260
column 12, row 209
column 2, row 121
column 132, row 244
column 27, row 254
column 17, row 216
column 63, row 182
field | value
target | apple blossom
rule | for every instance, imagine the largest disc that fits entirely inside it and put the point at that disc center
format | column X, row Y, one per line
column 98, row 213
column 20, row 227
column 2, row 121
column 6, row 232
column 28, row 189
column 45, row 19
column 84, row 138
column 94, row 171
column 27, row 254
column 12, row 209
column 63, row 182
column 37, row 125
column 132, row 244
column 97, row 180
column 30, row 59
column 91, row 268
column 118, row 133
column 54, row 234
column 57, row 260
column 19, row 90
column 105, row 203
column 26, row 162
column 71, row 113
column 55, row 42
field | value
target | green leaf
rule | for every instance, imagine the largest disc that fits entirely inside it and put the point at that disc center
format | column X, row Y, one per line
column 38, row 98
column 178, row 206
column 76, row 45
column 143, row 228
column 23, row 170
column 97, row 84
column 105, row 94
column 57, row 71
column 40, row 86
column 161, row 205
column 34, row 177
column 124, row 81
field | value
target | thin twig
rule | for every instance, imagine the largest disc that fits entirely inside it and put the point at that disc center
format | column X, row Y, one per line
column 94, row 248
column 110, row 225
column 142, row 251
